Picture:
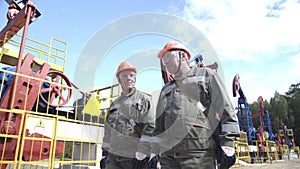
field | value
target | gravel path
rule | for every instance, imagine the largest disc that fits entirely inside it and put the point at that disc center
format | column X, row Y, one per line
column 282, row 164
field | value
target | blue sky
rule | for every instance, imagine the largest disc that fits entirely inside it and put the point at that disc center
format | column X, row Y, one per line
column 259, row 40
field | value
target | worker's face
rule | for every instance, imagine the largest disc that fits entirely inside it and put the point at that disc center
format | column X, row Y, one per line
column 171, row 61
column 127, row 80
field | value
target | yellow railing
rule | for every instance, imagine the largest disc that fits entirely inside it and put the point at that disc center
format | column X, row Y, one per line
column 242, row 152
column 57, row 137
column 296, row 150
column 106, row 96
column 272, row 150
column 266, row 151
column 54, row 53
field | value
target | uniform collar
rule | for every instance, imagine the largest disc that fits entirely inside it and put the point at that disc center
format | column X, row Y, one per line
column 130, row 93
column 192, row 71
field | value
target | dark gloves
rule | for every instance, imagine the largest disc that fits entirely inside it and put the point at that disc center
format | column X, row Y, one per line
column 225, row 161
column 152, row 164
column 103, row 162
column 138, row 164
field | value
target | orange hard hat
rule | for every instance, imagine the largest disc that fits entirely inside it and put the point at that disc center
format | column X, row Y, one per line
column 125, row 66
column 173, row 45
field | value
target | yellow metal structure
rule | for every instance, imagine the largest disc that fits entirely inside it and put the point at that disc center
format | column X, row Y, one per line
column 242, row 152
column 290, row 132
column 242, row 149
column 106, row 96
column 54, row 53
column 285, row 152
column 75, row 130
column 281, row 133
column 272, row 150
column 81, row 139
column 296, row 150
column 261, row 156
column 92, row 106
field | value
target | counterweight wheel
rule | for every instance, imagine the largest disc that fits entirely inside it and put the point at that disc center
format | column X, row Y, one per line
column 59, row 91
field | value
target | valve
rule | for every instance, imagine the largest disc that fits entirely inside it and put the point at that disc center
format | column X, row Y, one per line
column 59, row 90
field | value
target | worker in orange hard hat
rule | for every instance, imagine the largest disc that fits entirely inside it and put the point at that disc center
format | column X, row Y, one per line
column 174, row 45
column 193, row 108
column 125, row 66
column 181, row 52
column 129, row 125
column 127, row 83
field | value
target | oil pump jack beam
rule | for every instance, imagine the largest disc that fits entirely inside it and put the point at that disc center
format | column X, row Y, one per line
column 18, row 22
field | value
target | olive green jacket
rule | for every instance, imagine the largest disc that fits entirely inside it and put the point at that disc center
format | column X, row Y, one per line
column 194, row 114
column 129, row 125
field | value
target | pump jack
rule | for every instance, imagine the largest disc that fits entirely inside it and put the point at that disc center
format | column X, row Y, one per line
column 20, row 97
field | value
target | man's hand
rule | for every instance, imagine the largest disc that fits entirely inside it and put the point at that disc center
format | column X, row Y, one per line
column 103, row 162
column 226, row 157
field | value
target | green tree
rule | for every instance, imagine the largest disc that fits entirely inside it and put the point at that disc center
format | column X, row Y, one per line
column 254, row 107
column 279, row 108
column 293, row 90
column 293, row 97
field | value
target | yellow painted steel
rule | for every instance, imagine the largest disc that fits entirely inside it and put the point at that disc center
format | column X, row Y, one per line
column 242, row 149
column 81, row 138
column 272, row 150
column 285, row 152
column 296, row 150
column 106, row 96
column 290, row 132
column 50, row 137
column 261, row 156
column 281, row 133
column 242, row 152
column 272, row 153
column 92, row 106
column 54, row 53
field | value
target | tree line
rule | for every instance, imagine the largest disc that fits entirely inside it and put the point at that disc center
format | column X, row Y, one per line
column 283, row 109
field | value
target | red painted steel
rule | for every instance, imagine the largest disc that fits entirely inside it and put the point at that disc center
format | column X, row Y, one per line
column 17, row 23
column 25, row 95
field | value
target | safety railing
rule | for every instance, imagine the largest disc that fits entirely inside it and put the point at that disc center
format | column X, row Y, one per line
column 54, row 53
column 43, row 131
column 272, row 151
column 106, row 96
column 296, row 150
column 242, row 152
column 285, row 152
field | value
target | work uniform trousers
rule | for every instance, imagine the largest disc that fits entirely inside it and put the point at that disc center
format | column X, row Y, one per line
column 196, row 162
column 119, row 162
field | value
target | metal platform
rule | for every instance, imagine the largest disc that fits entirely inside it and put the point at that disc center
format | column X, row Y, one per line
column 54, row 53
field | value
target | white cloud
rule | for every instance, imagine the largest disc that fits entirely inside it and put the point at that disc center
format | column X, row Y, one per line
column 236, row 27
column 254, row 36
column 295, row 66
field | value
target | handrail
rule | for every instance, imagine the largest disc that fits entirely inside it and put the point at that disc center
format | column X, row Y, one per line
column 53, row 53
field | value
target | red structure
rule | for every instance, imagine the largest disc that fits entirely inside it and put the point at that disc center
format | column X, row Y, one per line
column 20, row 97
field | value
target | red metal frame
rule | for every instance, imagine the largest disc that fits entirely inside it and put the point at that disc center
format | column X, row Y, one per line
column 21, row 20
column 24, row 99
column 25, row 91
